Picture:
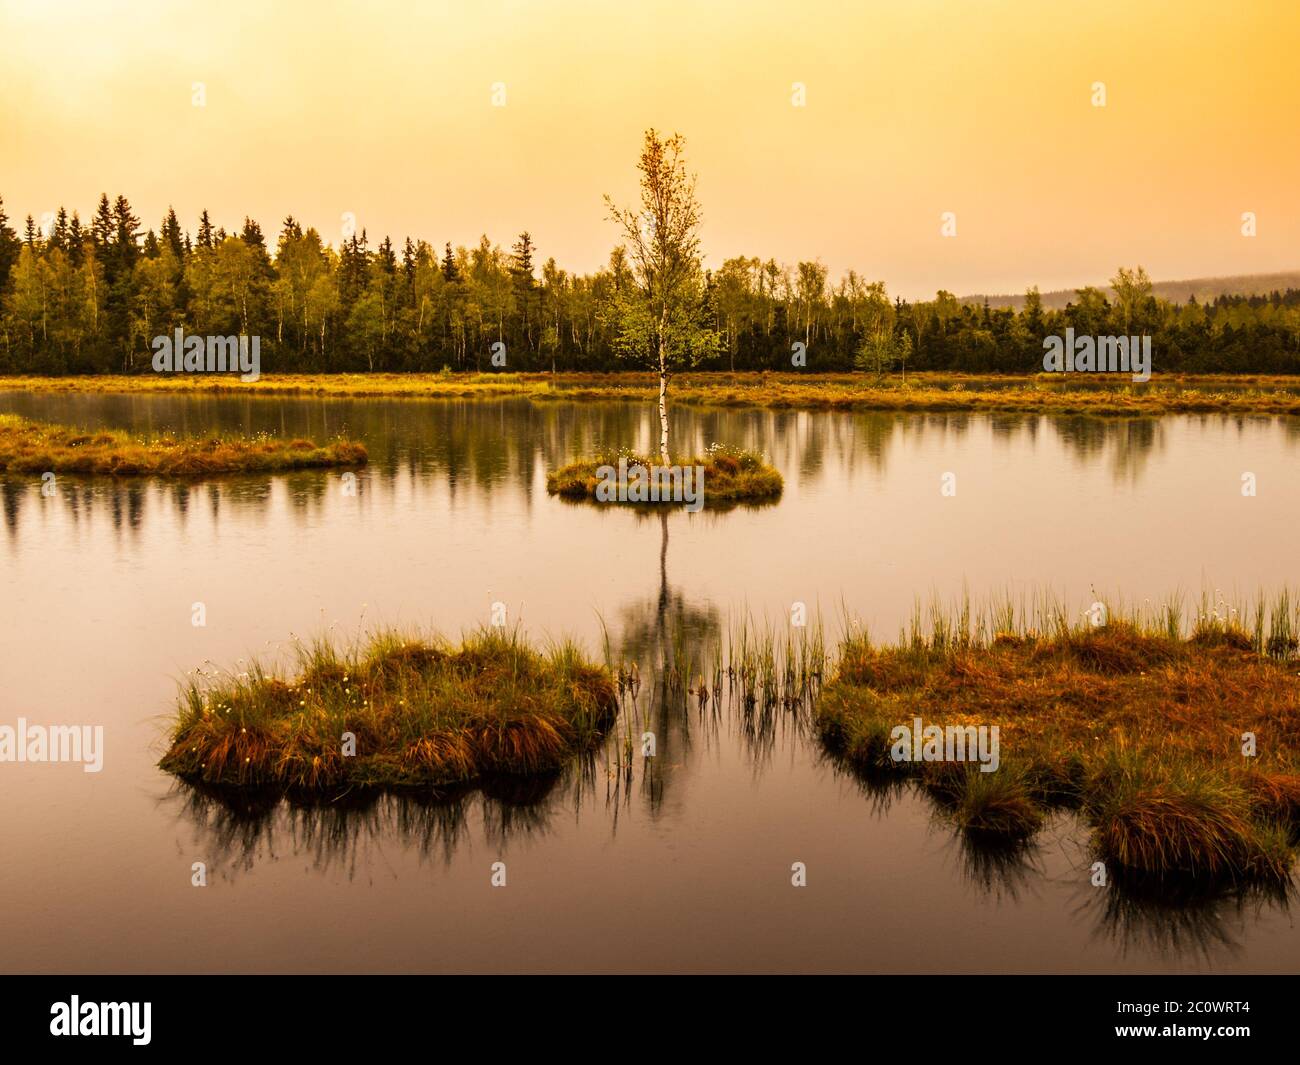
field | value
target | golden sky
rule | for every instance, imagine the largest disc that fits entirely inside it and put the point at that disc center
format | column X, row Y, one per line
column 385, row 110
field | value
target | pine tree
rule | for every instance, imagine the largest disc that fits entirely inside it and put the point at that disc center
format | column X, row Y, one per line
column 9, row 245
column 353, row 262
column 172, row 236
column 76, row 241
column 251, row 234
column 524, row 284
column 119, row 264
column 205, row 231
column 449, row 271
column 289, row 230
column 408, row 266
column 101, row 226
column 59, row 234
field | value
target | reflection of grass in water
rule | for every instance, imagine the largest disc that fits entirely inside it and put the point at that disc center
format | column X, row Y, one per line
column 1150, row 915
column 1129, row 721
column 239, row 825
column 416, row 711
column 999, row 867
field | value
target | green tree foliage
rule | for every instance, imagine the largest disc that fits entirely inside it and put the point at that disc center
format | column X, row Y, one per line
column 90, row 298
column 660, row 317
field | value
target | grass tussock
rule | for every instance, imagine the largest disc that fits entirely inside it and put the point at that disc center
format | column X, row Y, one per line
column 36, row 447
column 1135, row 723
column 730, row 476
column 1029, row 393
column 419, row 711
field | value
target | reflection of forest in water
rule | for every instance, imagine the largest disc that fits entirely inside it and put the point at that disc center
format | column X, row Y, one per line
column 494, row 446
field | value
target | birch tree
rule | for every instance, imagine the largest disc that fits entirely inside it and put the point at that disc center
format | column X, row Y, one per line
column 660, row 319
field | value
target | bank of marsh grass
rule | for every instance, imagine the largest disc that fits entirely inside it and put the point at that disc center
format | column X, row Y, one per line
column 421, row 711
column 33, row 447
column 1138, row 725
column 730, row 476
column 1107, row 395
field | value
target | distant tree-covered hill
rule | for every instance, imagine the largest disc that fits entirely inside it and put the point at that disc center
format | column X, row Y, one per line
column 1205, row 289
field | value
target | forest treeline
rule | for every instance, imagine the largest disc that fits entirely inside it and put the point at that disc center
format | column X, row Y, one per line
column 90, row 298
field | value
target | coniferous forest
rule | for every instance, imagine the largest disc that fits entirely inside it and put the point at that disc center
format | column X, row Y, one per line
column 82, row 298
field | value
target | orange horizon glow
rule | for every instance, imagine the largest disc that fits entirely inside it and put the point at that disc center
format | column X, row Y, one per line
column 913, row 109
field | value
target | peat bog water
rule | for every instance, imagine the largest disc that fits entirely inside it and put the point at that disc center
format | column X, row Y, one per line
column 689, row 870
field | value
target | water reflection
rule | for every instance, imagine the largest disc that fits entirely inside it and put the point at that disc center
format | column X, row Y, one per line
column 494, row 445
column 1152, row 918
column 237, row 829
column 452, row 514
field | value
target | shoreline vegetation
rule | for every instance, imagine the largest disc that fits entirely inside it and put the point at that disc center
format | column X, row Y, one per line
column 937, row 392
column 729, row 476
column 413, row 710
column 28, row 446
column 1138, row 728
column 1176, row 744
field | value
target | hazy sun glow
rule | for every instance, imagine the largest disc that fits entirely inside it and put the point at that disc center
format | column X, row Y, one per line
column 385, row 110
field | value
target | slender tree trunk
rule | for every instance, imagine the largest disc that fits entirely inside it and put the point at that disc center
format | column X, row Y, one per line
column 663, row 399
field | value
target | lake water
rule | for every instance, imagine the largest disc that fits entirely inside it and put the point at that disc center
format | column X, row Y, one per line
column 687, row 870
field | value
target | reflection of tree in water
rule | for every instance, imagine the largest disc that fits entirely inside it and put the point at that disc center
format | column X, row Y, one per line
column 699, row 676
column 1130, row 441
column 663, row 643
column 12, row 493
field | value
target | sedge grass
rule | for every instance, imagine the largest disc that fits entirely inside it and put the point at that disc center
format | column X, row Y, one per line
column 1177, row 741
column 935, row 391
column 28, row 446
column 402, row 710
column 730, row 476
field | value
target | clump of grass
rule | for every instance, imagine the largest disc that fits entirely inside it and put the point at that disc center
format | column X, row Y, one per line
column 1132, row 723
column 1160, row 813
column 36, row 447
column 1000, row 805
column 420, row 711
column 731, row 475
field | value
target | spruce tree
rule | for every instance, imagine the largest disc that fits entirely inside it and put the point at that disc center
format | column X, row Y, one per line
column 101, row 226
column 205, row 231
column 76, row 241
column 9, row 247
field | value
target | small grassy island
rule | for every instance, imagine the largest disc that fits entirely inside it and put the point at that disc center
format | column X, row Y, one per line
column 37, row 447
column 402, row 711
column 721, row 477
column 1140, row 730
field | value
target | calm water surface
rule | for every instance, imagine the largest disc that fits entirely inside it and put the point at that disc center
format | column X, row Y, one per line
column 683, row 871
